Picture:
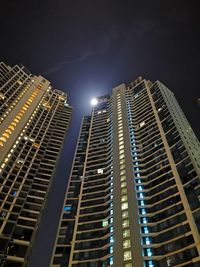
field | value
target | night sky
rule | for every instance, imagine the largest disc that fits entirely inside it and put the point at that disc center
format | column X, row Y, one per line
column 87, row 47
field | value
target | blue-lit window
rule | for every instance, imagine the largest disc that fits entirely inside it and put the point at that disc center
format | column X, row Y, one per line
column 150, row 264
column 111, row 249
column 67, row 208
column 149, row 252
column 147, row 241
column 111, row 229
column 111, row 260
column 141, row 203
column 14, row 193
column 144, row 220
column 146, row 231
column 143, row 211
column 111, row 239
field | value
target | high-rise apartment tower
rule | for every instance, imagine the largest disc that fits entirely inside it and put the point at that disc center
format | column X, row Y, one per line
column 33, row 122
column 133, row 197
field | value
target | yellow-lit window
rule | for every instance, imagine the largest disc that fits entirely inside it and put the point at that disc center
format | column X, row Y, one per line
column 16, row 120
column 121, row 144
column 127, row 255
column 121, row 156
column 123, row 191
column 123, row 178
column 128, row 264
column 122, row 172
column 122, row 166
column 13, row 124
column 3, row 139
column 124, row 206
column 6, row 135
column 1, row 143
column 125, row 223
column 126, row 233
column 11, row 127
column 8, row 131
column 123, row 184
column 120, row 131
column 124, row 198
column 121, row 139
column 127, row 243
column 122, row 161
column 125, row 214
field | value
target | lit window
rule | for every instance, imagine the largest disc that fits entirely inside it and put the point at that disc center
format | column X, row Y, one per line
column 124, row 205
column 125, row 214
column 127, row 243
column 122, row 166
column 121, row 151
column 105, row 223
column 149, row 252
column 121, row 156
column 123, row 184
column 100, row 171
column 111, row 260
column 3, row 139
column 67, row 207
column 124, row 198
column 122, row 161
column 122, row 172
column 6, row 135
column 121, row 134
column 127, row 255
column 142, row 124
column 126, row 233
column 111, row 249
column 125, row 223
column 99, row 112
column 123, row 178
column 123, row 191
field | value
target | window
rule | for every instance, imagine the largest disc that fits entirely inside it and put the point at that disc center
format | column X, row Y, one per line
column 125, row 214
column 127, row 243
column 126, row 233
column 123, row 198
column 105, row 223
column 122, row 172
column 127, row 255
column 142, row 124
column 121, row 156
column 123, row 184
column 67, row 207
column 124, row 206
column 100, row 171
column 123, row 178
column 125, row 223
column 123, row 191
